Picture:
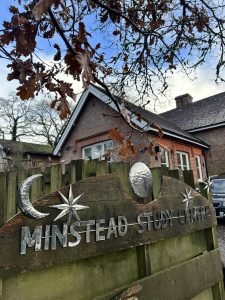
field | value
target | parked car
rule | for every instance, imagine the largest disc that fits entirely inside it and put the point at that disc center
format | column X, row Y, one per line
column 218, row 196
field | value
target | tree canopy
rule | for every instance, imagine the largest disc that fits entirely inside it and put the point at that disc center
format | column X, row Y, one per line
column 20, row 120
column 118, row 44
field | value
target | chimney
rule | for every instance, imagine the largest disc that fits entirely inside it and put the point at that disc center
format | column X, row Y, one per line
column 183, row 100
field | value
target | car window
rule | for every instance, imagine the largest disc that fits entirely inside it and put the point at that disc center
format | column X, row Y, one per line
column 218, row 186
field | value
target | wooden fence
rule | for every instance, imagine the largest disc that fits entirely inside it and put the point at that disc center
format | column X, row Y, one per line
column 60, row 175
column 177, row 267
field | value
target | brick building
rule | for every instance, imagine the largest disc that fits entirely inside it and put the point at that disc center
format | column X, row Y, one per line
column 86, row 136
column 204, row 119
column 15, row 154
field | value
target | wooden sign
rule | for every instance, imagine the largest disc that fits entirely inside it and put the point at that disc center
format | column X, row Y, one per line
column 95, row 217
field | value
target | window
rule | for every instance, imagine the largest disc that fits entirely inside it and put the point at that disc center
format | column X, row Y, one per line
column 96, row 151
column 164, row 155
column 183, row 161
column 199, row 168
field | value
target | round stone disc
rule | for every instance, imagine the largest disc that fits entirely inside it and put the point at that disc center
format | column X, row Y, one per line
column 141, row 179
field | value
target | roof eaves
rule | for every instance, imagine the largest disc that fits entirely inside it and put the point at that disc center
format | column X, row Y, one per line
column 206, row 127
column 90, row 90
column 143, row 124
column 71, row 121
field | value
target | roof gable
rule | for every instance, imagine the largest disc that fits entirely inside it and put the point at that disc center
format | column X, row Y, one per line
column 169, row 129
column 203, row 114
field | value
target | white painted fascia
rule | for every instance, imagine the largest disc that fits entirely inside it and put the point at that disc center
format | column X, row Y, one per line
column 143, row 125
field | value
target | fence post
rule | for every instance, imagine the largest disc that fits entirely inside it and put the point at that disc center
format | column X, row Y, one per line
column 36, row 188
column 189, row 178
column 10, row 208
column 56, row 177
column 102, row 167
column 3, row 197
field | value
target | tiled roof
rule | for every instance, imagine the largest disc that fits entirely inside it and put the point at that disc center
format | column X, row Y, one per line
column 200, row 114
column 22, row 147
column 162, row 122
column 169, row 128
column 159, row 120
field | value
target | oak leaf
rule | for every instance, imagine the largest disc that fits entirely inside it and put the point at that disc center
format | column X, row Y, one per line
column 160, row 132
column 58, row 53
column 27, row 90
column 63, row 108
column 115, row 134
column 83, row 58
column 41, row 7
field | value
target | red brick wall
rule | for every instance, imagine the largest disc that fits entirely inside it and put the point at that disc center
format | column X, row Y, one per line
column 93, row 125
column 216, row 155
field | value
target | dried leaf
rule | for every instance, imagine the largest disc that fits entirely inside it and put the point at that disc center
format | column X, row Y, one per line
column 83, row 58
column 126, row 113
column 41, row 7
column 129, row 294
column 139, row 116
column 58, row 53
column 53, row 104
column 131, row 147
column 97, row 46
column 123, row 150
column 115, row 135
column 63, row 108
column 27, row 90
column 81, row 33
column 160, row 132
column 13, row 9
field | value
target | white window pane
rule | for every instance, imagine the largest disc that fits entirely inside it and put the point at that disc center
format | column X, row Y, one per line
column 87, row 153
column 108, row 145
column 96, row 151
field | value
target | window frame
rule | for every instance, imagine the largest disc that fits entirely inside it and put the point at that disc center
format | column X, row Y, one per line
column 94, row 145
column 199, row 167
column 181, row 153
column 167, row 164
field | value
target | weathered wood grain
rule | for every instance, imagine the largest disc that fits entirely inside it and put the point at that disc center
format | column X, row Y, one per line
column 181, row 282
column 106, row 198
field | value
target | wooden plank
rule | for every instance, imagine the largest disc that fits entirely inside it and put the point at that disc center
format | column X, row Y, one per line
column 3, row 197
column 185, row 280
column 73, row 171
column 174, row 250
column 189, row 178
column 36, row 188
column 106, row 199
column 82, row 280
column 205, row 295
column 181, row 282
column 122, row 170
column 46, row 182
column 66, row 176
column 102, row 168
column 177, row 174
column 11, row 199
column 56, row 177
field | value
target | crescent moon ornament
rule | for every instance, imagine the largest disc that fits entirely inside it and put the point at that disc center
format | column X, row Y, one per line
column 24, row 199
column 141, row 179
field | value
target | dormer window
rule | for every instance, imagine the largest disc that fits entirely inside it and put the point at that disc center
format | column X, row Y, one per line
column 96, row 151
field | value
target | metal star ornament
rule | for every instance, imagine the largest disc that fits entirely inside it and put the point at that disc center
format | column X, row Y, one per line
column 208, row 184
column 69, row 206
column 187, row 198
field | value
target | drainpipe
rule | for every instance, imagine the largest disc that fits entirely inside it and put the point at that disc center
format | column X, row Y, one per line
column 206, row 167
